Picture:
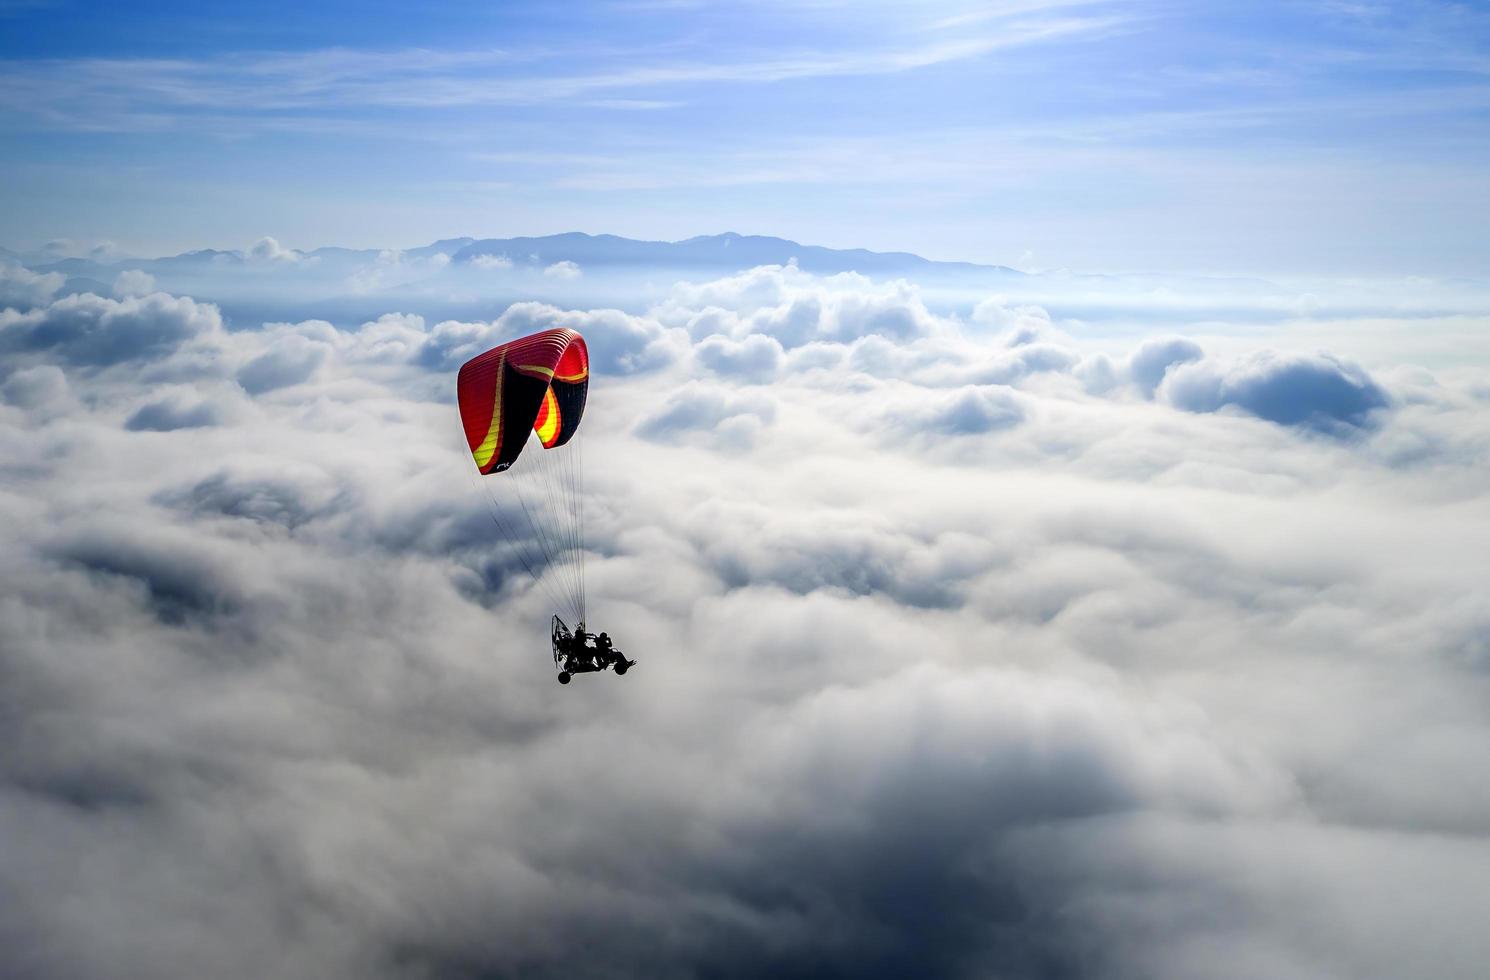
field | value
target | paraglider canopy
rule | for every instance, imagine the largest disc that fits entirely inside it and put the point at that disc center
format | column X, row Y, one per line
column 532, row 389
column 536, row 383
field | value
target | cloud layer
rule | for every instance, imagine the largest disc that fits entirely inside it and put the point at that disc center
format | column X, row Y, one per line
column 967, row 648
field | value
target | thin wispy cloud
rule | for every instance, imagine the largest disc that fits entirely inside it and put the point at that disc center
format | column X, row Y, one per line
column 721, row 115
column 87, row 89
column 994, row 10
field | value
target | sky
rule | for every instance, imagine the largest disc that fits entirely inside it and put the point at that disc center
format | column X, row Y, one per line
column 1339, row 138
column 1102, row 620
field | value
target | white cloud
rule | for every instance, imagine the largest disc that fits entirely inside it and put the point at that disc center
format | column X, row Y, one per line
column 89, row 329
column 1318, row 391
column 1154, row 358
column 105, row 252
column 394, row 338
column 970, row 411
column 20, row 287
column 133, row 282
column 729, row 420
column 392, row 268
column 41, row 390
column 562, row 270
column 267, row 249
column 756, row 358
column 174, row 410
column 494, row 262
column 618, row 342
column 954, row 663
column 293, row 359
column 797, row 308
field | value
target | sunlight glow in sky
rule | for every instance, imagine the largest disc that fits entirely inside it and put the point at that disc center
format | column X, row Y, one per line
column 1325, row 137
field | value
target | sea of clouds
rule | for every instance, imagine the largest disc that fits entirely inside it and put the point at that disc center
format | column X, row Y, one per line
column 969, row 645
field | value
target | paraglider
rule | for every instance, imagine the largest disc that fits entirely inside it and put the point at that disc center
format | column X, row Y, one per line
column 579, row 652
column 533, row 389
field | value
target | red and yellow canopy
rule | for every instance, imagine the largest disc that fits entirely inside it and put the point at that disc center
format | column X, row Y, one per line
column 537, row 382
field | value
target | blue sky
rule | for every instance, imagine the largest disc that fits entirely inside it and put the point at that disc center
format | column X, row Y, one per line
column 1124, row 626
column 1329, row 137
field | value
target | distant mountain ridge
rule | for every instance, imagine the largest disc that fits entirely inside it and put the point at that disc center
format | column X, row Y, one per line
column 709, row 251
column 729, row 251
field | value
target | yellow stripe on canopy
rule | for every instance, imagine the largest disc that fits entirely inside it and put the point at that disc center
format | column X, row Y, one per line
column 488, row 447
column 548, row 428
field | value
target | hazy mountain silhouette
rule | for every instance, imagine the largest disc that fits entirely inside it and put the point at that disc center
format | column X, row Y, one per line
column 720, row 253
column 727, row 251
